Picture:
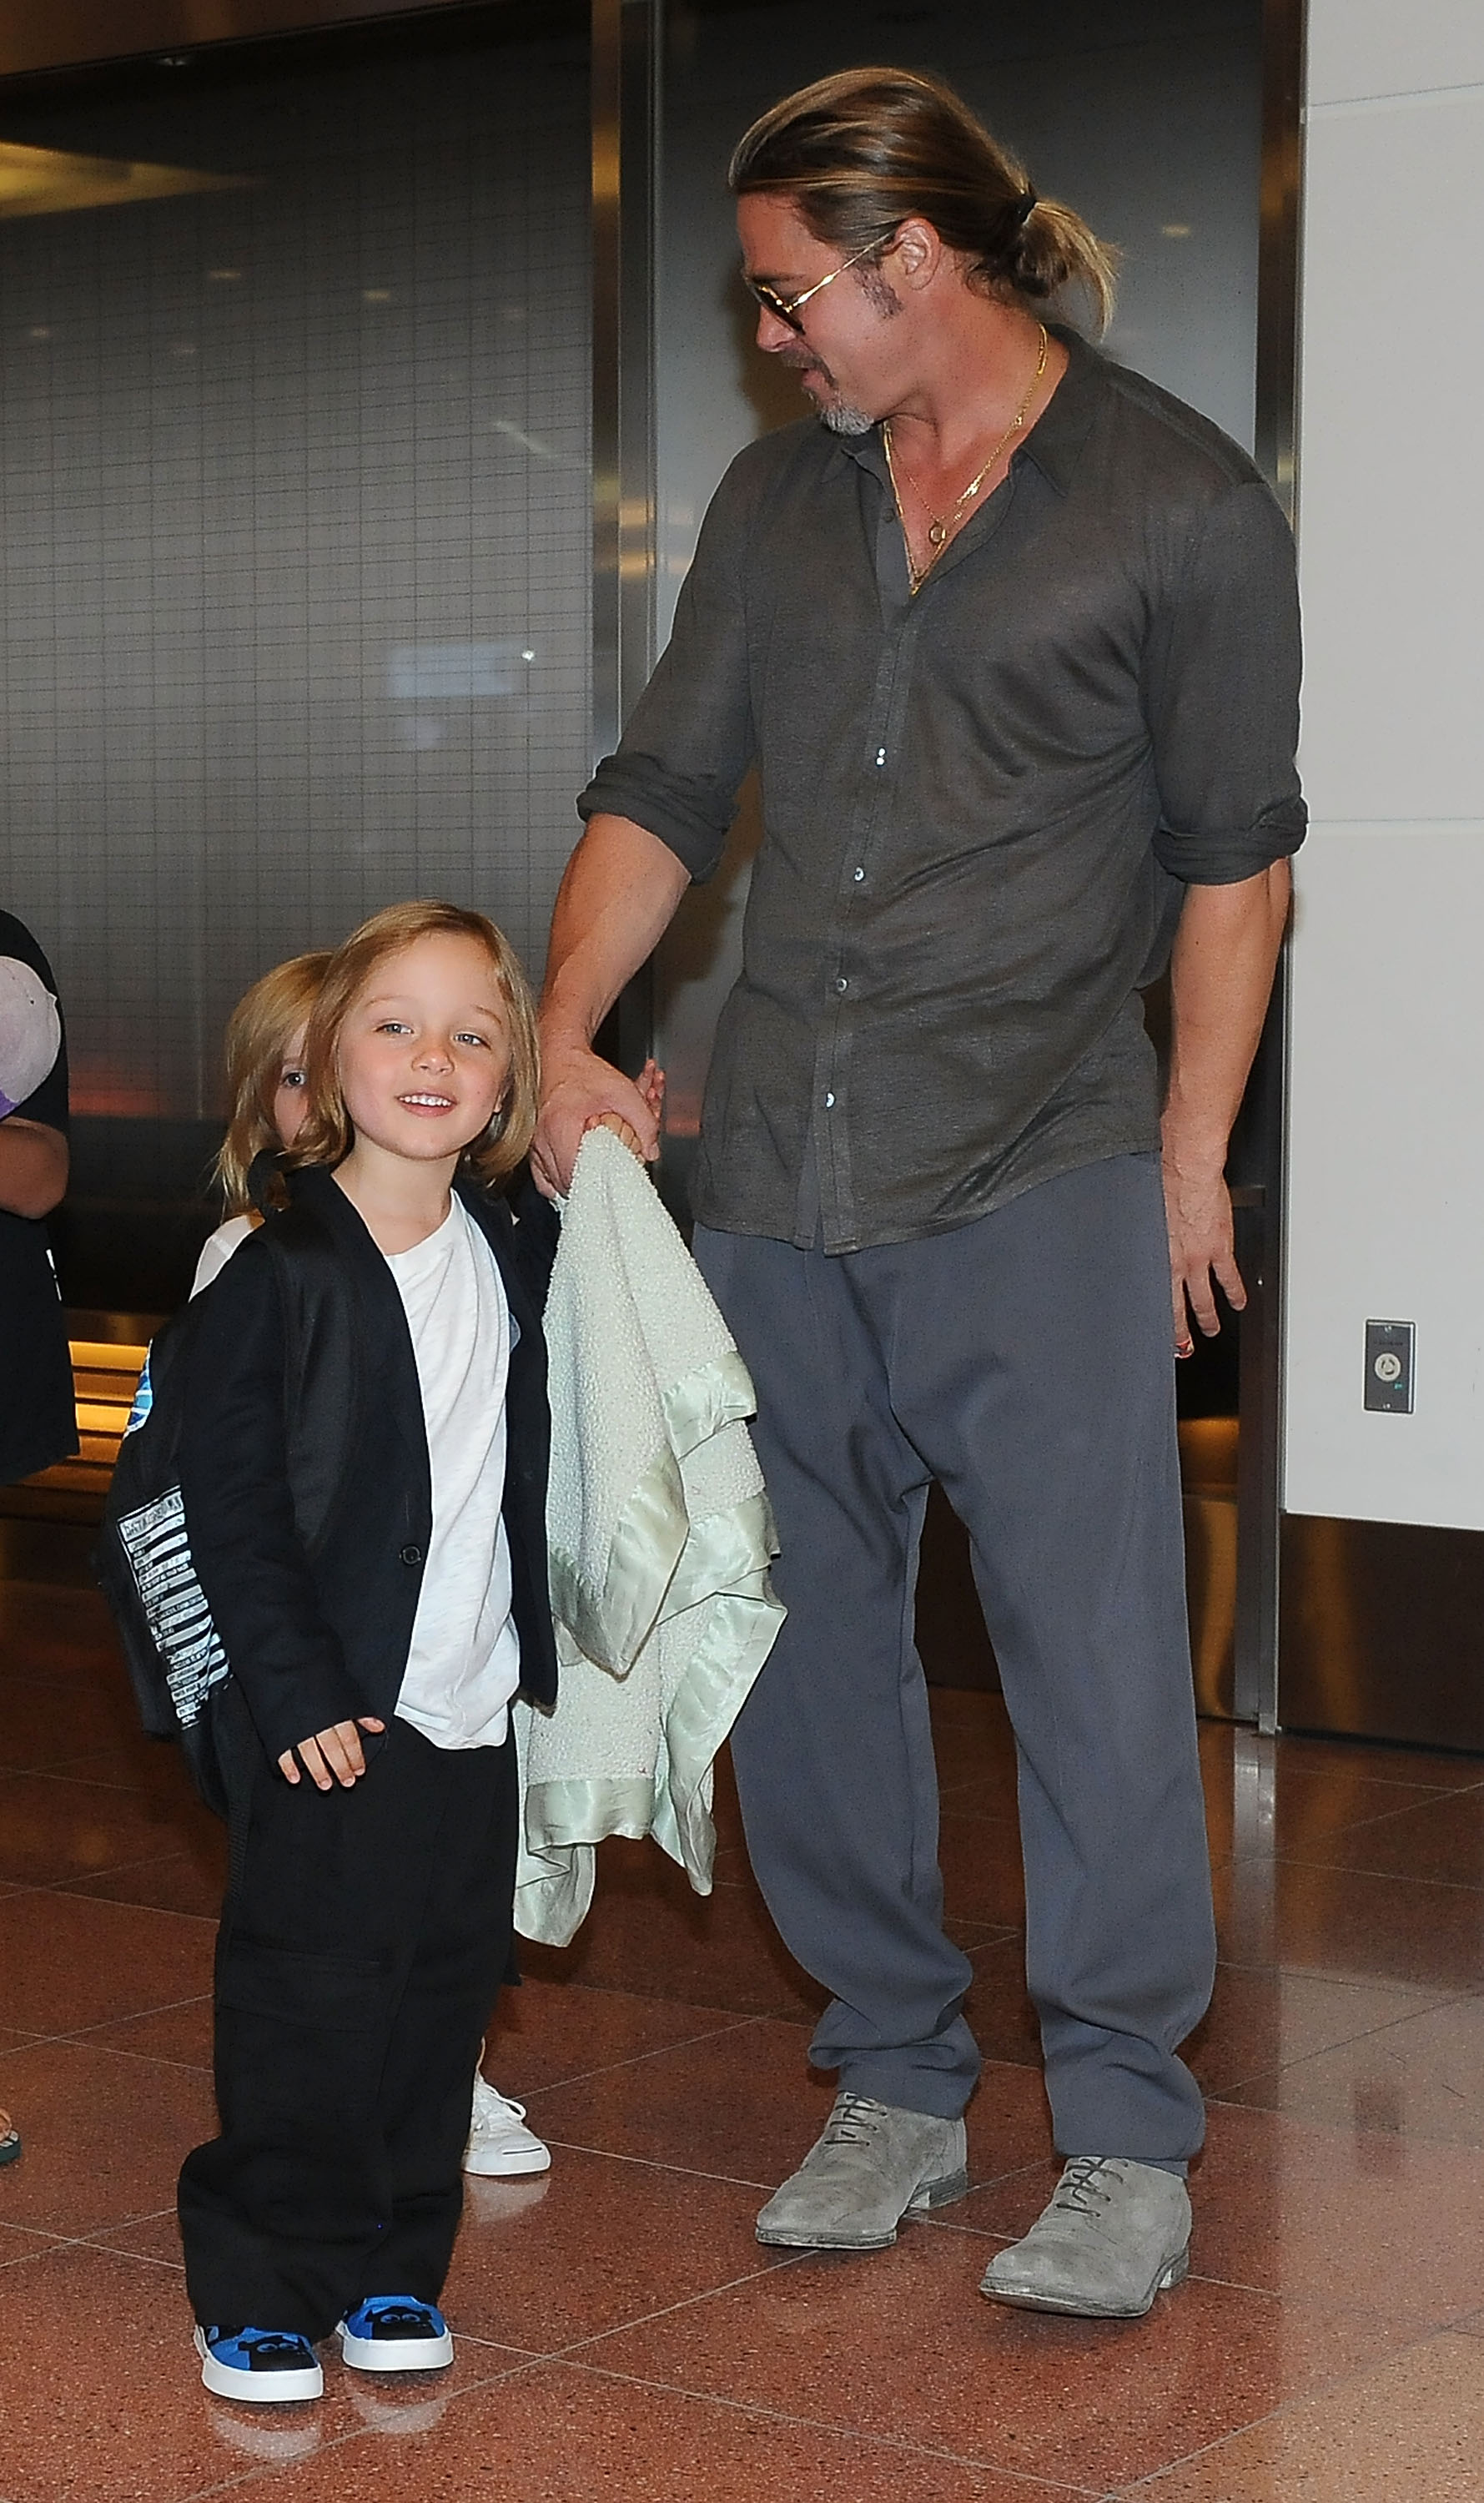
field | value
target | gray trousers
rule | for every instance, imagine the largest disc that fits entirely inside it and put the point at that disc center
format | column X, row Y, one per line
column 1024, row 1360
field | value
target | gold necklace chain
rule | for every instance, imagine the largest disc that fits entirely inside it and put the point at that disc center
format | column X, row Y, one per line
column 942, row 526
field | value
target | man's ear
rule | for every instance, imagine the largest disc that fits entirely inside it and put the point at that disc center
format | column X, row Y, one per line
column 918, row 252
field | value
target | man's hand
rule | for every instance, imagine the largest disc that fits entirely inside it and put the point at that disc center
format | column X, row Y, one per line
column 1197, row 1212
column 580, row 1092
column 331, row 1755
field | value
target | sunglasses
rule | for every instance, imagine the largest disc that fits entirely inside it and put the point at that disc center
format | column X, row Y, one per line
column 788, row 308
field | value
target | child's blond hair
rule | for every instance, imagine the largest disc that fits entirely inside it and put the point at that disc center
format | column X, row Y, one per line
column 327, row 1135
column 258, row 1033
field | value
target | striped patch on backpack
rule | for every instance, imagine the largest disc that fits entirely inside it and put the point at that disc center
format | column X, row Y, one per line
column 175, row 1605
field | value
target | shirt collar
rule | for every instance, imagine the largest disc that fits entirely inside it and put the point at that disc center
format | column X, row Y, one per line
column 1055, row 441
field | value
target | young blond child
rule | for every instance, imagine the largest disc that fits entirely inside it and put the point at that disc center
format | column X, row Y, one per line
column 265, row 1037
column 363, row 1735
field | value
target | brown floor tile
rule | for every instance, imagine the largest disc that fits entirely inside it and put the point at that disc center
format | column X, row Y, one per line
column 741, row 2106
column 548, row 2032
column 1316, row 2216
column 46, row 1723
column 556, row 2433
column 48, row 1631
column 648, row 1934
column 16, row 2243
column 1259, row 1801
column 593, row 2242
column 1261, row 2021
column 1411, row 2432
column 67, row 1960
column 745, row 2107
column 1350, row 1924
column 901, row 2343
column 52, row 1828
column 1440, row 1838
column 136, row 2423
column 104, row 2134
column 1422, row 2078
column 154, row 2238
column 983, row 1878
column 182, row 2034
column 1258, row 2016
column 1428, row 1770
column 188, row 1881
column 977, row 1767
column 1000, row 2012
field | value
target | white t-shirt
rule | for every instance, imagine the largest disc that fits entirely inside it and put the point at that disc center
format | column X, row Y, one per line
column 464, row 1664
column 218, row 1249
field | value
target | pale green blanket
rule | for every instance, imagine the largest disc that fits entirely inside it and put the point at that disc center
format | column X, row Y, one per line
column 660, row 1535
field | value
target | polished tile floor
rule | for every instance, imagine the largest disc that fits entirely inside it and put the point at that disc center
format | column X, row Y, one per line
column 622, row 2335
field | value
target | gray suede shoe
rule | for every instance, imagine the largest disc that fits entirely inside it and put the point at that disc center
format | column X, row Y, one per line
column 871, row 2166
column 1115, row 2234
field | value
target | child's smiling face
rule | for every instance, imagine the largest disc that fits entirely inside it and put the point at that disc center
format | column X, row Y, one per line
column 424, row 1051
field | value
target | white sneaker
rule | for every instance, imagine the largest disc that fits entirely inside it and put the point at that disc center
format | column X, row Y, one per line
column 499, row 2141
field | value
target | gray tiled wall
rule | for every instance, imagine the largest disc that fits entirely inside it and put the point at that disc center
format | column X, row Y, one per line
column 295, row 552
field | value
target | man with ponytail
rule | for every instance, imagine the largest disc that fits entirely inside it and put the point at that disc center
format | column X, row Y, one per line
column 1012, row 637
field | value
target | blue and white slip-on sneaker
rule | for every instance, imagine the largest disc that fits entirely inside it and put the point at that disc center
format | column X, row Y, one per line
column 273, row 2365
column 395, row 2333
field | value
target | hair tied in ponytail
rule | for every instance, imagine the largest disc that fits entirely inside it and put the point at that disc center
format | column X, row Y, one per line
column 1025, row 205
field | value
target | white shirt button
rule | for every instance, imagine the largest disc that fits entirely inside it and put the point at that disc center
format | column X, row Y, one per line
column 841, row 985
column 829, row 1103
column 881, row 756
column 859, row 874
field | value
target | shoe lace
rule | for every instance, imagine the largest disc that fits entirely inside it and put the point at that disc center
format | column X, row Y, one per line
column 1081, row 2188
column 854, row 2121
column 493, row 2108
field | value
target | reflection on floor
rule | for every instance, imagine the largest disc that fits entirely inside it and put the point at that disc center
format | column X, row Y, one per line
column 622, row 2335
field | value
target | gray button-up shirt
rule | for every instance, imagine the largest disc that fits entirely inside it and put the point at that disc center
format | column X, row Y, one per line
column 982, row 804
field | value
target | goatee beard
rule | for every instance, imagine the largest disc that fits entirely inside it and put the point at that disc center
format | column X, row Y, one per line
column 842, row 419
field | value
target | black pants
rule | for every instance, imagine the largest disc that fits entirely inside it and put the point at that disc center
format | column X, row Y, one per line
column 362, row 1942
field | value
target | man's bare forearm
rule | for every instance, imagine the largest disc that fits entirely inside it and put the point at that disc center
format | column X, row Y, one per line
column 33, row 1167
column 616, row 901
column 1219, row 978
column 618, row 898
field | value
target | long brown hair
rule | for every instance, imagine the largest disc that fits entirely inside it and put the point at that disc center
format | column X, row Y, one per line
column 327, row 1135
column 258, row 1033
column 864, row 149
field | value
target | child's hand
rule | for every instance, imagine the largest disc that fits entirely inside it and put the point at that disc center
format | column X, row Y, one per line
column 651, row 1085
column 332, row 1756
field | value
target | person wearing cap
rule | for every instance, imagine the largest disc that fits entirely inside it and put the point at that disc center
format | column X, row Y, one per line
column 38, row 1419
column 1012, row 638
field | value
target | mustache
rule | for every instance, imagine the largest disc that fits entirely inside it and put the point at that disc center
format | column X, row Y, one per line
column 802, row 361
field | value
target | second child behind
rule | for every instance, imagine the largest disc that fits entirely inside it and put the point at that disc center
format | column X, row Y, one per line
column 364, row 1735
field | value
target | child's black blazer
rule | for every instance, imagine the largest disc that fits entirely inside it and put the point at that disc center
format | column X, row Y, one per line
column 320, row 1634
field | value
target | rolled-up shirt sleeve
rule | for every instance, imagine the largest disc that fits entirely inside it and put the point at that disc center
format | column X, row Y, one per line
column 1222, row 698
column 691, row 737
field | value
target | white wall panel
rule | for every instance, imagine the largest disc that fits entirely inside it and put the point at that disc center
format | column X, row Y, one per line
column 1386, row 1128
column 1360, row 48
column 1386, row 1148
column 1391, row 484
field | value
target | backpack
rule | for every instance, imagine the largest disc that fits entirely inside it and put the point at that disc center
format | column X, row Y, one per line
column 176, row 1661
